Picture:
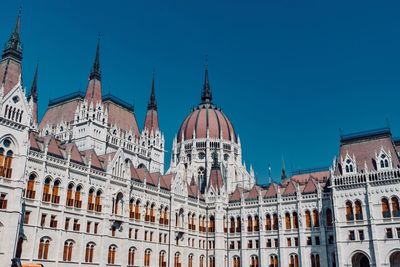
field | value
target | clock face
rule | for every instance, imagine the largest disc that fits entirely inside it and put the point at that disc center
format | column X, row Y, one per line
column 202, row 155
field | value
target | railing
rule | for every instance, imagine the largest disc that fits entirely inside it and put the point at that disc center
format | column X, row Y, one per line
column 46, row 197
column 350, row 217
column 55, row 199
column 98, row 208
column 30, row 194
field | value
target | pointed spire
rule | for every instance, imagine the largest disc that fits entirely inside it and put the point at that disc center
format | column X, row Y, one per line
column 283, row 174
column 13, row 47
column 152, row 101
column 96, row 72
column 206, row 94
column 33, row 92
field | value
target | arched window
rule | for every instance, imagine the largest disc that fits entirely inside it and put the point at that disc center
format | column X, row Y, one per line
column 67, row 254
column 395, row 207
column 98, row 201
column 295, row 220
column 162, row 261
column 212, row 261
column 268, row 225
column 329, row 220
column 152, row 214
column 273, row 261
column 349, row 211
column 30, row 188
column 46, row 190
column 308, row 219
column 177, row 260
column 358, row 210
column 91, row 199
column 315, row 260
column 194, row 222
column 112, row 250
column 232, row 225
column 132, row 209
column 55, row 198
column 238, row 225
column 190, row 260
column 275, row 225
column 147, row 255
column 118, row 204
column 349, row 166
column 131, row 256
column 385, row 208
column 70, row 200
column 200, row 176
column 315, row 218
column 78, row 201
column 236, row 261
column 288, row 225
column 249, row 224
column 43, row 252
column 6, row 167
column 384, row 162
column 256, row 223
column 211, row 227
column 201, row 261
column 89, row 252
column 293, row 260
column 254, row 261
column 166, row 216
column 146, row 214
column 137, row 210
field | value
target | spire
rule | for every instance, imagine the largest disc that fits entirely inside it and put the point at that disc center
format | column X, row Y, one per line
column 96, row 72
column 206, row 95
column 93, row 90
column 33, row 92
column 283, row 173
column 13, row 47
column 152, row 101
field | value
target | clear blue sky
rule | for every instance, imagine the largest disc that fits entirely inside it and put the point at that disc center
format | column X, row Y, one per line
column 289, row 74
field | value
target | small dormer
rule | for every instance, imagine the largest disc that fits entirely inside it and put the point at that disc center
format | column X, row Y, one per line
column 383, row 159
column 349, row 164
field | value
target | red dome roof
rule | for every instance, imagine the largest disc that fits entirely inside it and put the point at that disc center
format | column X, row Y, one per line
column 204, row 117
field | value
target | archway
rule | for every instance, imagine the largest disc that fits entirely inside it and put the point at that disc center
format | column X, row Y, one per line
column 395, row 259
column 360, row 260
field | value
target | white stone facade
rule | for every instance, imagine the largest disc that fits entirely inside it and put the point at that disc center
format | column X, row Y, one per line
column 90, row 192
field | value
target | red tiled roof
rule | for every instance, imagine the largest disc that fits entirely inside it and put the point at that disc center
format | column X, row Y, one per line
column 310, row 187
column 254, row 192
column 61, row 112
column 216, row 180
column 90, row 154
column 151, row 121
column 290, row 189
column 236, row 195
column 75, row 154
column 53, row 147
column 121, row 117
column 272, row 190
column 10, row 71
column 203, row 118
column 364, row 150
column 93, row 92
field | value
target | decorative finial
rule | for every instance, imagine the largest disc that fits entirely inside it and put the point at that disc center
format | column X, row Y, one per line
column 206, row 94
column 152, row 101
column 96, row 71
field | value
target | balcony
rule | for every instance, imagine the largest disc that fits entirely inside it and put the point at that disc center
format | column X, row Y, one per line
column 55, row 199
column 350, row 217
column 46, row 197
column 30, row 194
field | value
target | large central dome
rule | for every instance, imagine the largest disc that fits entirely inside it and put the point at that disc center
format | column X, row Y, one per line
column 206, row 117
